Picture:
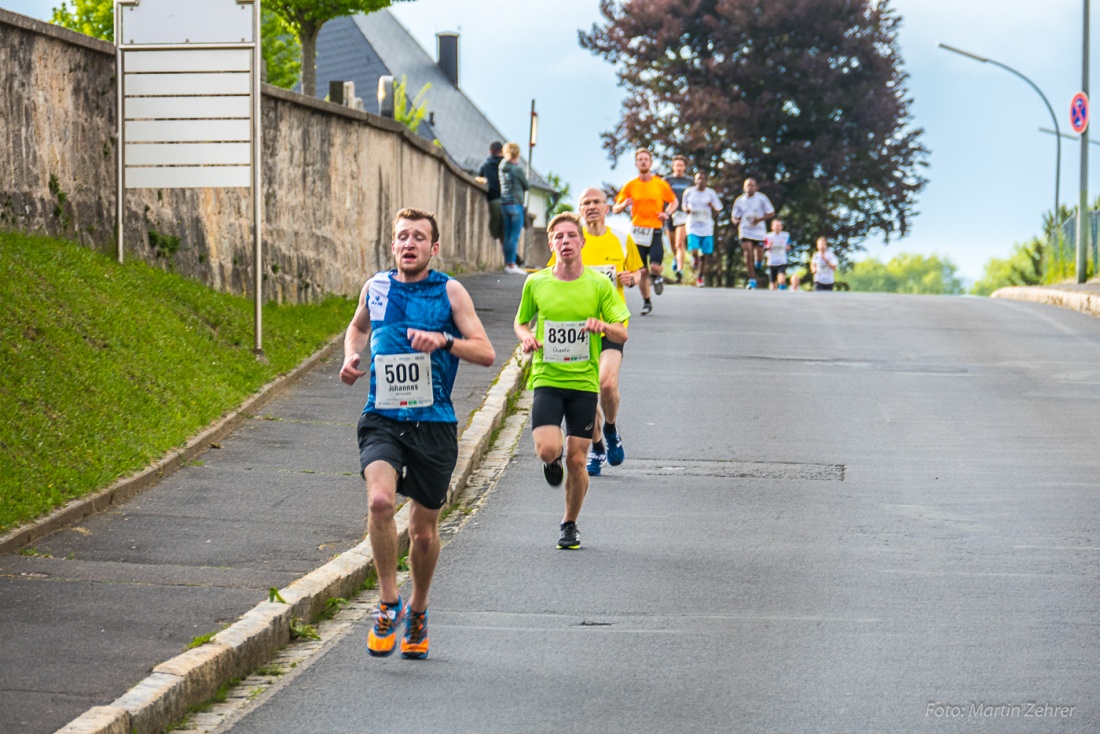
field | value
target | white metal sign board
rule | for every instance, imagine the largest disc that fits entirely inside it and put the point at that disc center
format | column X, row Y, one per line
column 189, row 100
column 193, row 21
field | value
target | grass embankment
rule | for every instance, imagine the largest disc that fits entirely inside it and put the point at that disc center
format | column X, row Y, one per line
column 106, row 367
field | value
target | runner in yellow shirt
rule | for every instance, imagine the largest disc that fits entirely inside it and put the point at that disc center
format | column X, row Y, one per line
column 616, row 256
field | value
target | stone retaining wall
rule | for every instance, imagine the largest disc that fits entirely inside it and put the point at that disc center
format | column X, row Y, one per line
column 332, row 180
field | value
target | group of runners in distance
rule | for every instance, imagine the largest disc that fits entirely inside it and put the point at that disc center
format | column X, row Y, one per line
column 572, row 318
column 687, row 207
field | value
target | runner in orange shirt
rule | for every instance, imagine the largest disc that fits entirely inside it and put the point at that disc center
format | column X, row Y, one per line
column 651, row 203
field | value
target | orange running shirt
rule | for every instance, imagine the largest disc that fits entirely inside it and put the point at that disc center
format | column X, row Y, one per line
column 650, row 198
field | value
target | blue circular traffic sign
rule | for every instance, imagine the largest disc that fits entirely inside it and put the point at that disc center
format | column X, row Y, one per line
column 1079, row 112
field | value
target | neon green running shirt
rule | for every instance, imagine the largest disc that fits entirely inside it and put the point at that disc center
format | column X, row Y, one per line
column 566, row 305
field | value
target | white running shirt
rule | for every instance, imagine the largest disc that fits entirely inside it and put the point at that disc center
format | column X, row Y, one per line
column 826, row 268
column 776, row 246
column 755, row 206
column 700, row 220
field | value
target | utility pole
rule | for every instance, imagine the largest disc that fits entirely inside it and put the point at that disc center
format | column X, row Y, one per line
column 1084, row 230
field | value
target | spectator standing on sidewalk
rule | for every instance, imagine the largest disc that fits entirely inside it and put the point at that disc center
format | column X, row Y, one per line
column 419, row 323
column 823, row 265
column 513, row 190
column 574, row 308
column 490, row 173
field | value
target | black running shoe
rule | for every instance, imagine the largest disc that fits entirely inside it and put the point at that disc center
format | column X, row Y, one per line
column 554, row 472
column 570, row 538
column 658, row 284
column 646, row 308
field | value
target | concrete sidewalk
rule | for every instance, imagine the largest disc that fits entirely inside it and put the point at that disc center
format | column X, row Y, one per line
column 92, row 609
column 1083, row 297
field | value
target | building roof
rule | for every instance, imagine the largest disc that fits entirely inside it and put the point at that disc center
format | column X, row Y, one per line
column 363, row 47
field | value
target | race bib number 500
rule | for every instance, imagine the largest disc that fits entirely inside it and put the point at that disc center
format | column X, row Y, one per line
column 564, row 341
column 402, row 381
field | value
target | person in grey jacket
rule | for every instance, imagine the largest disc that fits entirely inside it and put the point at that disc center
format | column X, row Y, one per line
column 513, row 188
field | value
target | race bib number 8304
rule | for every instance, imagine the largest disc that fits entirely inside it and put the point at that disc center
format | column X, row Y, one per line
column 564, row 341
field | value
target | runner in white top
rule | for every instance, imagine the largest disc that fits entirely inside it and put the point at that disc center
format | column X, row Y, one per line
column 751, row 211
column 777, row 244
column 701, row 203
column 823, row 265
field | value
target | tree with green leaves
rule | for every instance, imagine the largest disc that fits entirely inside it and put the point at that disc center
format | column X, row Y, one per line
column 91, row 17
column 562, row 204
column 906, row 273
column 306, row 17
column 808, row 97
column 1024, row 266
column 410, row 114
column 281, row 52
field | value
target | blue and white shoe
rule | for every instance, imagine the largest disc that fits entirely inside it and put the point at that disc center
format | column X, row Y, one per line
column 752, row 285
column 595, row 463
column 615, row 453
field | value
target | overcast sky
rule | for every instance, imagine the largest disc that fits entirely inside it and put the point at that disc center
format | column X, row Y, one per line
column 991, row 173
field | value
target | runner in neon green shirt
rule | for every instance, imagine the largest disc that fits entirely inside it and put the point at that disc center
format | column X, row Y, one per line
column 616, row 256
column 574, row 307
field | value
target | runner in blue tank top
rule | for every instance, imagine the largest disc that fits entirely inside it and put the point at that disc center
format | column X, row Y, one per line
column 420, row 323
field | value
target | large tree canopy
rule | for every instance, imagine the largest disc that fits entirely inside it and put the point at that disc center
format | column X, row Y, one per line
column 807, row 96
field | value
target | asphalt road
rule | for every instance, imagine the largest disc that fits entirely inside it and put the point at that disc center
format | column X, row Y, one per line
column 839, row 513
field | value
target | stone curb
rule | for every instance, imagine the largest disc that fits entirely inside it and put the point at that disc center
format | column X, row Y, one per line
column 127, row 487
column 1086, row 303
column 193, row 676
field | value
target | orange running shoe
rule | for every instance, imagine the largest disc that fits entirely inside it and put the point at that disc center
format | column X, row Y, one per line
column 382, row 637
column 414, row 645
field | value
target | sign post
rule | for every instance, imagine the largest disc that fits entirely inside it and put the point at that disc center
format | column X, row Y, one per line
column 189, row 104
column 1079, row 110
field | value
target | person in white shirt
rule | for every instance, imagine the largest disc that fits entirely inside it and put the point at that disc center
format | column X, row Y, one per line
column 823, row 265
column 701, row 203
column 751, row 211
column 777, row 244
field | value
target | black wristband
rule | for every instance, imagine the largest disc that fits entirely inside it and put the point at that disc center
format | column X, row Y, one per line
column 449, row 341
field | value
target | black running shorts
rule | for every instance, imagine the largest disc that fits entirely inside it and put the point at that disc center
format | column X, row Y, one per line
column 655, row 253
column 577, row 407
column 423, row 454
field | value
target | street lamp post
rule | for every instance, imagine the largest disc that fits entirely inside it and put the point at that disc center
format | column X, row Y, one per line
column 1054, row 119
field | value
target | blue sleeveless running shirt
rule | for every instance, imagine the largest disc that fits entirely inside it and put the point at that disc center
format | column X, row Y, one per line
column 396, row 307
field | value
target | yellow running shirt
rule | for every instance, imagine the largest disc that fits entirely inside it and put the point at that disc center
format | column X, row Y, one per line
column 609, row 249
column 650, row 198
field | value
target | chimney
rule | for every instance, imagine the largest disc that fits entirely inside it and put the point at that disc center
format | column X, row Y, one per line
column 446, row 45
